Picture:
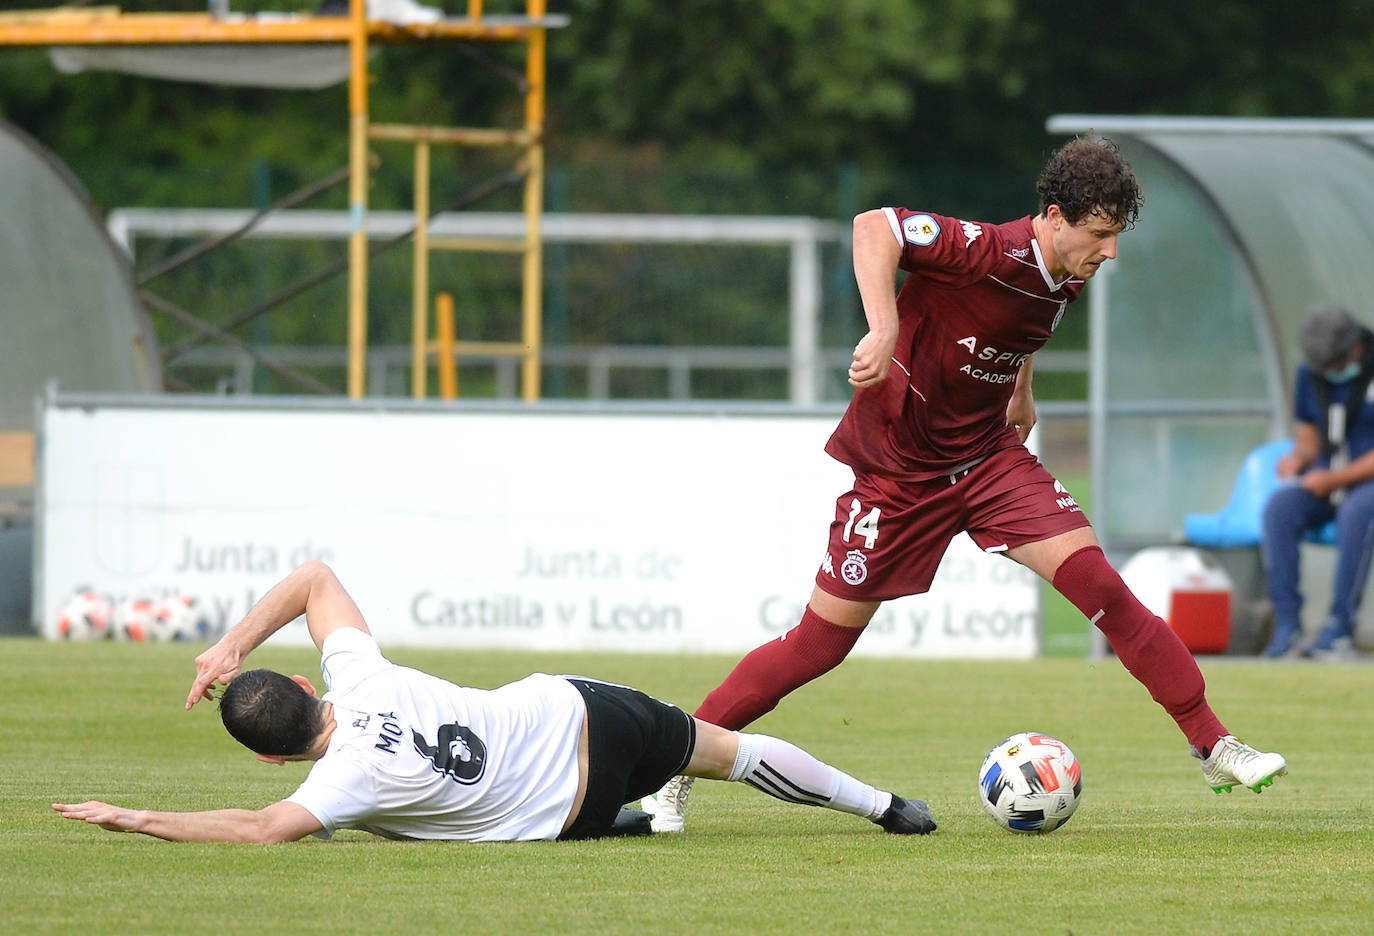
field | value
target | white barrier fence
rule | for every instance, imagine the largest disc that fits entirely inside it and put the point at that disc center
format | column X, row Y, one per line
column 543, row 528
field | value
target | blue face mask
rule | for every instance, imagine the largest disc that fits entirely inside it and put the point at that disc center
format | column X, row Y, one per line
column 1344, row 374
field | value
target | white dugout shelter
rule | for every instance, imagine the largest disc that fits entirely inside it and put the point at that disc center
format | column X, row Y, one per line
column 1246, row 224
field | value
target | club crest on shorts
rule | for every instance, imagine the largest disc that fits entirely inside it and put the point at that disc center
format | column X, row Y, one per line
column 855, row 568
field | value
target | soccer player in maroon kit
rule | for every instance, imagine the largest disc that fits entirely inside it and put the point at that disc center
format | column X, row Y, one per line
column 935, row 435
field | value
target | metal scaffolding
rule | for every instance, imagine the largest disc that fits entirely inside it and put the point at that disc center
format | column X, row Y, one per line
column 109, row 26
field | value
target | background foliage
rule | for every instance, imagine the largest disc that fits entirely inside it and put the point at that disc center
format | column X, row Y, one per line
column 800, row 88
column 798, row 107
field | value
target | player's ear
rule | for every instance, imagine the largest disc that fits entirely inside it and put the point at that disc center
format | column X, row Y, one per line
column 304, row 683
column 272, row 759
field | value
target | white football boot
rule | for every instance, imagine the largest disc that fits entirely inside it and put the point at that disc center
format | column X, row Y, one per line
column 1234, row 763
column 668, row 806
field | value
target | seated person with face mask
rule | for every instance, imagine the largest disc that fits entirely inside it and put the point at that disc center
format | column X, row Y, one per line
column 1327, row 475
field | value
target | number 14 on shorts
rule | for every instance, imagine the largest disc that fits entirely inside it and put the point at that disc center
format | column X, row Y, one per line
column 867, row 526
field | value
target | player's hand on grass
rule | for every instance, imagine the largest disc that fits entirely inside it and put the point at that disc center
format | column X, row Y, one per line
column 114, row 818
column 872, row 357
column 218, row 664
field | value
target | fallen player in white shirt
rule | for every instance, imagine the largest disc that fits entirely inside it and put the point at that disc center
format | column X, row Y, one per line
column 404, row 754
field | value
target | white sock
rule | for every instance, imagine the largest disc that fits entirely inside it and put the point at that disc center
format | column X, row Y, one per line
column 786, row 772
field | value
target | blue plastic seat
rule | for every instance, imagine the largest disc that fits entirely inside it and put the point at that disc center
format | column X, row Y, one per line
column 1238, row 523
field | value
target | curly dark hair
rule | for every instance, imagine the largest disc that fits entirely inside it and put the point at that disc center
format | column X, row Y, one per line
column 269, row 714
column 1088, row 174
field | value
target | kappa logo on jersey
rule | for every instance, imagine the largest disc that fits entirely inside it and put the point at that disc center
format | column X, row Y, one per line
column 855, row 568
column 921, row 230
column 971, row 231
column 1066, row 502
column 458, row 752
column 828, row 565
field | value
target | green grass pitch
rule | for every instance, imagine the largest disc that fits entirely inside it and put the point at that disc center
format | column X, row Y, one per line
column 1150, row 850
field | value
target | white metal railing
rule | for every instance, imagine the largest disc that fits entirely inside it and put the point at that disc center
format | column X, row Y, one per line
column 803, row 237
column 388, row 366
column 803, row 358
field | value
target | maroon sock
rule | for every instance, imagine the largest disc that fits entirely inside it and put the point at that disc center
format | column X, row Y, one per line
column 1146, row 646
column 759, row 681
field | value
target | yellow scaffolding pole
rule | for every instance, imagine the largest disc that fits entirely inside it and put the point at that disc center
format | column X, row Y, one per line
column 530, row 245
column 460, row 136
column 357, row 200
column 420, row 291
column 445, row 328
column 534, row 206
column 103, row 26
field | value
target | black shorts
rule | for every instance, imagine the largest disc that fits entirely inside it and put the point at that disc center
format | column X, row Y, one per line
column 635, row 744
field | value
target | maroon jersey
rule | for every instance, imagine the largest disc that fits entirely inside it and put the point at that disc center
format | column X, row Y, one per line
column 977, row 302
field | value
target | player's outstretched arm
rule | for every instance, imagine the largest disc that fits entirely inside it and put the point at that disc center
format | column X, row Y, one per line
column 280, row 822
column 312, row 589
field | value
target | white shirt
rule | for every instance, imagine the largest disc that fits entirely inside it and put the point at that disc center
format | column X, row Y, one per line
column 415, row 756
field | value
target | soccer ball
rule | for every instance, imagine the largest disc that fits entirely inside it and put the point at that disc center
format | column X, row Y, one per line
column 133, row 620
column 179, row 617
column 85, row 616
column 1030, row 783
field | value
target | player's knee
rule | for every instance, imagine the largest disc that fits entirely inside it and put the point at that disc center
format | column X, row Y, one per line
column 713, row 755
column 1282, row 511
column 1088, row 580
column 1355, row 517
column 820, row 644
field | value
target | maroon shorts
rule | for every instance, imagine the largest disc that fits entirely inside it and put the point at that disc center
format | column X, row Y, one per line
column 887, row 538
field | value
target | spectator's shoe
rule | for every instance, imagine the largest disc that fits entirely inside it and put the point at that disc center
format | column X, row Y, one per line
column 1341, row 650
column 1234, row 763
column 1335, row 650
column 1285, row 640
column 907, row 817
column 1333, row 643
column 668, row 806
